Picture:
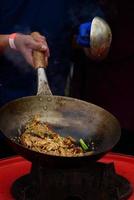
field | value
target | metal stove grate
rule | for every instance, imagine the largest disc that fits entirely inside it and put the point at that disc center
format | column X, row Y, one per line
column 95, row 182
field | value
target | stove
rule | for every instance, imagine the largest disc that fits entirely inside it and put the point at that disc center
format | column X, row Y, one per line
column 113, row 173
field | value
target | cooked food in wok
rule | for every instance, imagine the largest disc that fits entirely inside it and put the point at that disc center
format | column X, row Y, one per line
column 40, row 137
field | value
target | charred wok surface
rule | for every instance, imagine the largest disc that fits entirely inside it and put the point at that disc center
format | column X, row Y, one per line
column 40, row 137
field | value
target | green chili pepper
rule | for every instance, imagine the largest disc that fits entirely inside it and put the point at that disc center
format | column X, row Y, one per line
column 83, row 144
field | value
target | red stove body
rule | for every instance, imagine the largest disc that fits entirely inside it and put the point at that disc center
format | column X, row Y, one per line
column 15, row 167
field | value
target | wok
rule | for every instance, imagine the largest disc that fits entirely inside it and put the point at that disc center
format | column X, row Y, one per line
column 68, row 116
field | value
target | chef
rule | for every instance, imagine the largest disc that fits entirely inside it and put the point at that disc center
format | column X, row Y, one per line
column 58, row 22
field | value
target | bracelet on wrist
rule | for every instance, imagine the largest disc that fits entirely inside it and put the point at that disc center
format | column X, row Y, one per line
column 11, row 39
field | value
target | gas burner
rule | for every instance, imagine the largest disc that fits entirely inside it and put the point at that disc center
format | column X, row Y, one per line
column 96, row 182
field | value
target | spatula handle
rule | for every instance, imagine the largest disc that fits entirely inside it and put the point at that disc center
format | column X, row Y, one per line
column 39, row 58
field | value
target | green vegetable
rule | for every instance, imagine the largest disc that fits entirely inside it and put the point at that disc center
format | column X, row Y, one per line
column 83, row 144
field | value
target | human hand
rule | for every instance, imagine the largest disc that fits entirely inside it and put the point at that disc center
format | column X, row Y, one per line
column 83, row 37
column 25, row 44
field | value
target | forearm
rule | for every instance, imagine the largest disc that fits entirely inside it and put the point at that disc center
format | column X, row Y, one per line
column 24, row 44
column 3, row 42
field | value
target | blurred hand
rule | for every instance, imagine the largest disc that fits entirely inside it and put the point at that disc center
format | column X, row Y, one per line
column 83, row 37
column 25, row 44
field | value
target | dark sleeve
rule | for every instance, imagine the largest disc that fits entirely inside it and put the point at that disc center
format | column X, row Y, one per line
column 83, row 11
column 10, row 13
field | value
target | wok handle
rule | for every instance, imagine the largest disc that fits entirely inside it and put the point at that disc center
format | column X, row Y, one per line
column 41, row 62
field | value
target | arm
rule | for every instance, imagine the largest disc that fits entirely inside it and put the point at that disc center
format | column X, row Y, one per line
column 3, row 42
column 25, row 44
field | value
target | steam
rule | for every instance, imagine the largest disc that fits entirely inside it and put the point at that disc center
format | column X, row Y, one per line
column 17, row 59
